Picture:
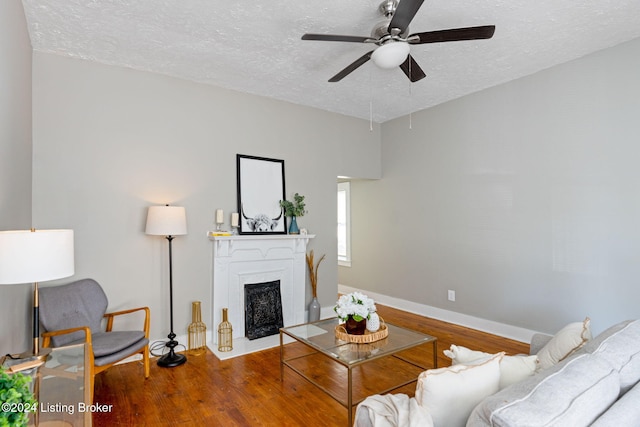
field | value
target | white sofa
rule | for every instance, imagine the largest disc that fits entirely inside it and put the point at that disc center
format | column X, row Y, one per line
column 596, row 385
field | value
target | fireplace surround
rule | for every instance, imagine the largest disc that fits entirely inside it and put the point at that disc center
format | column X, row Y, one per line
column 247, row 259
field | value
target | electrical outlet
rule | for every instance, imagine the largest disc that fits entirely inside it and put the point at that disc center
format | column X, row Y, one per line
column 451, row 295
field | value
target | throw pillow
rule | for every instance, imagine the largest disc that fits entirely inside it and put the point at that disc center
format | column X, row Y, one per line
column 450, row 394
column 513, row 369
column 564, row 343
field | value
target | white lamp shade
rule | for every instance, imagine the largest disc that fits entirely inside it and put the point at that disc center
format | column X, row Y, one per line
column 390, row 55
column 166, row 221
column 34, row 256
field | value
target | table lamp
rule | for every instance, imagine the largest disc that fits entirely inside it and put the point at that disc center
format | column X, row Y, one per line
column 35, row 256
column 168, row 221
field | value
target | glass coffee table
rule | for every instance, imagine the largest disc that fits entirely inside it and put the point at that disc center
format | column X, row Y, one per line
column 320, row 337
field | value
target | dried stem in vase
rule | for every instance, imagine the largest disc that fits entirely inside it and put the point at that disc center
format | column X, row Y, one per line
column 313, row 272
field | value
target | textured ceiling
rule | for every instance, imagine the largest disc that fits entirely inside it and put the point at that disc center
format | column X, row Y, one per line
column 255, row 46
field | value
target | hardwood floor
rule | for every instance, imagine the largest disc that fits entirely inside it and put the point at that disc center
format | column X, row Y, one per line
column 247, row 390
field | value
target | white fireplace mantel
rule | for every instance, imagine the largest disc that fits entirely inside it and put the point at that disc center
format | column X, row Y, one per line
column 225, row 245
column 243, row 259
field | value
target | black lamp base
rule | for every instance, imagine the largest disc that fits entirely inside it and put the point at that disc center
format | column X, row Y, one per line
column 171, row 360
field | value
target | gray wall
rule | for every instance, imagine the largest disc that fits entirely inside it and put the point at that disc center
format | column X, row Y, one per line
column 522, row 198
column 15, row 163
column 108, row 142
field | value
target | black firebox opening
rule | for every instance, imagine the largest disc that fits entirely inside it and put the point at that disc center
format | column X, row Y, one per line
column 262, row 309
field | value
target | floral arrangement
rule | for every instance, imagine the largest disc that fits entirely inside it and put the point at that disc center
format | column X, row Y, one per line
column 295, row 208
column 356, row 305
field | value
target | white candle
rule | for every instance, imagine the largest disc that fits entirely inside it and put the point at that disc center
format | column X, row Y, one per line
column 219, row 216
column 234, row 219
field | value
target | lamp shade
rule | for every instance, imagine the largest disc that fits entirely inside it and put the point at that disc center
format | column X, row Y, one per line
column 166, row 221
column 28, row 256
column 390, row 55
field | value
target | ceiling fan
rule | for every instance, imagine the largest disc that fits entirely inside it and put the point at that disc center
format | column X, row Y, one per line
column 393, row 43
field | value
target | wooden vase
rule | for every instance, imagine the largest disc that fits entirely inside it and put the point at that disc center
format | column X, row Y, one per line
column 355, row 327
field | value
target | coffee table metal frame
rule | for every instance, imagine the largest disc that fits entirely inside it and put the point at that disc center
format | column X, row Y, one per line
column 320, row 336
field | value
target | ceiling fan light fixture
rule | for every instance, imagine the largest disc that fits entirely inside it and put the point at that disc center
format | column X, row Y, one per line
column 390, row 55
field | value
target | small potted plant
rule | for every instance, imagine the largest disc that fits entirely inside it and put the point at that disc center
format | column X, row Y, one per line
column 18, row 398
column 354, row 309
column 294, row 209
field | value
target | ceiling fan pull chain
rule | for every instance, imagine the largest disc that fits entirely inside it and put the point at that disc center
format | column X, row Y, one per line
column 370, row 116
column 410, row 100
column 370, row 101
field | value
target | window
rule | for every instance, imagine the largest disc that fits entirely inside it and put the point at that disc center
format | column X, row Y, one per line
column 344, row 224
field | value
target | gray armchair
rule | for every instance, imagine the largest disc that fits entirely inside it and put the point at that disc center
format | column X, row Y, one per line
column 73, row 313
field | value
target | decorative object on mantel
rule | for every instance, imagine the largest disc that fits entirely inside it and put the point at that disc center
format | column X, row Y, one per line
column 260, row 188
column 314, row 306
column 235, row 221
column 225, row 333
column 294, row 209
column 168, row 221
column 197, row 331
column 354, row 309
column 219, row 219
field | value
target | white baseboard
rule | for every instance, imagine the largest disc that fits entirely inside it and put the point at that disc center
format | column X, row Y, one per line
column 489, row 326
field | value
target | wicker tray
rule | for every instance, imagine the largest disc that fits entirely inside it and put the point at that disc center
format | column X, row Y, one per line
column 368, row 337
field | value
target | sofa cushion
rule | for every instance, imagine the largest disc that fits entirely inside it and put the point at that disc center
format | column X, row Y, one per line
column 573, row 393
column 624, row 412
column 512, row 368
column 621, row 349
column 564, row 343
column 450, row 394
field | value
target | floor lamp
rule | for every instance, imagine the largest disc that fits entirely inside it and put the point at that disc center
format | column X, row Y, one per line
column 32, row 256
column 168, row 221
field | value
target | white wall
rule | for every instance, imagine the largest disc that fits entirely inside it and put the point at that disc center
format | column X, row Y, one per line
column 522, row 198
column 109, row 142
column 15, row 164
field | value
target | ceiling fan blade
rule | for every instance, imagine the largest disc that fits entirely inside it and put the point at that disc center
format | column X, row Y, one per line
column 337, row 38
column 454, row 34
column 350, row 68
column 412, row 69
column 403, row 15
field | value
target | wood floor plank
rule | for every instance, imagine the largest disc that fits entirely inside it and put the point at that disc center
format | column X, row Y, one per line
column 248, row 391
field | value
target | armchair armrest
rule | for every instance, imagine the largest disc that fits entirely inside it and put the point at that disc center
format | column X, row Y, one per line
column 46, row 336
column 538, row 341
column 111, row 316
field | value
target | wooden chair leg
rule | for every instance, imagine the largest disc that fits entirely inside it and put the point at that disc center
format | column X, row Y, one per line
column 145, row 361
column 92, row 385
